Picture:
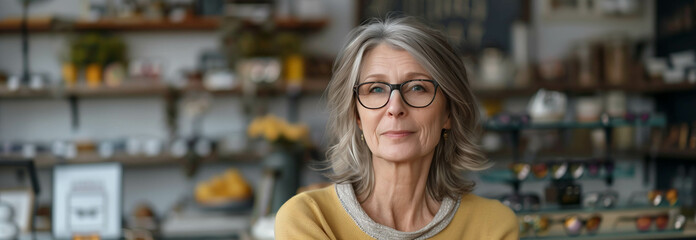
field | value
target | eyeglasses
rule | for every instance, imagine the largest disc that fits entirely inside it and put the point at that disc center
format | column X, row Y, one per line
column 539, row 224
column 605, row 199
column 519, row 202
column 561, row 169
column 655, row 198
column 644, row 223
column 574, row 224
column 417, row 93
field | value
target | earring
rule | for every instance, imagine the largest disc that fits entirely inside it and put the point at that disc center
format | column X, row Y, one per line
column 362, row 137
column 445, row 134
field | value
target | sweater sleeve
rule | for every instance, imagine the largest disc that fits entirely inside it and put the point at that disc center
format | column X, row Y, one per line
column 300, row 218
column 505, row 225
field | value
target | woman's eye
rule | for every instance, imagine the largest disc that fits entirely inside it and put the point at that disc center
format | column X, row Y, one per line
column 376, row 90
column 417, row 88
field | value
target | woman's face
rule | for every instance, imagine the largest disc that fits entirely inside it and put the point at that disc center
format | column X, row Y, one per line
column 398, row 132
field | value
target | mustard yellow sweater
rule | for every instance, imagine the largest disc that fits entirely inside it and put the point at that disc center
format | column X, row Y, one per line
column 319, row 214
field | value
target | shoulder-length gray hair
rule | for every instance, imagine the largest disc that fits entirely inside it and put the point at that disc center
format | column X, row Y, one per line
column 349, row 157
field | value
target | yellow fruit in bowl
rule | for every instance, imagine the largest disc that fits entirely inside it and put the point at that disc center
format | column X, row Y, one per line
column 229, row 186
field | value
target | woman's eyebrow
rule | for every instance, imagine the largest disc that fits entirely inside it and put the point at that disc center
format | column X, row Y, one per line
column 375, row 75
column 414, row 75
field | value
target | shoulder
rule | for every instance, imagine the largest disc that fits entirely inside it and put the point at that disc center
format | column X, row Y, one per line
column 478, row 204
column 310, row 199
column 499, row 220
column 302, row 216
column 307, row 203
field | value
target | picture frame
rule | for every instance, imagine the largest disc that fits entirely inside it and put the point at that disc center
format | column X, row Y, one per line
column 21, row 201
column 87, row 200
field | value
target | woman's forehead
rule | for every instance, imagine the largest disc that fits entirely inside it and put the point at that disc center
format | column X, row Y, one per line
column 384, row 60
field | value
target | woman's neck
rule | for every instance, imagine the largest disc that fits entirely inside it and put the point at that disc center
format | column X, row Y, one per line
column 399, row 198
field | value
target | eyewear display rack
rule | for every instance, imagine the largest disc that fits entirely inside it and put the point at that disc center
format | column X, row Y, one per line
column 613, row 224
column 606, row 123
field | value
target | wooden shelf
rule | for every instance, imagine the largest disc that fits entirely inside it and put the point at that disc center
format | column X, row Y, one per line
column 647, row 88
column 686, row 154
column 194, row 24
column 125, row 90
column 48, row 161
column 34, row 25
column 147, row 25
column 310, row 87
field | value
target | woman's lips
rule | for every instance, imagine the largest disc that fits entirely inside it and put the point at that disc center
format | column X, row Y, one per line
column 397, row 134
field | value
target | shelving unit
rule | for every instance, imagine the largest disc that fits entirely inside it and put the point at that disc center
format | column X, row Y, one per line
column 645, row 88
column 507, row 176
column 668, row 234
column 654, row 121
column 616, row 223
column 48, row 161
column 153, row 88
column 193, row 24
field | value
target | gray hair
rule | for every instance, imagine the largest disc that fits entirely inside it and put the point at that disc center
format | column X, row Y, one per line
column 350, row 158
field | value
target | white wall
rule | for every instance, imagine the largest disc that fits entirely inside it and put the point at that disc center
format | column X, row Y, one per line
column 109, row 118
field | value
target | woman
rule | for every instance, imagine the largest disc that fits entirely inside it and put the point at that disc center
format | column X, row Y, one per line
column 404, row 122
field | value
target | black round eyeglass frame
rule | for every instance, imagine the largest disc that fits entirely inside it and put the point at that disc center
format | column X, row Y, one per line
column 393, row 87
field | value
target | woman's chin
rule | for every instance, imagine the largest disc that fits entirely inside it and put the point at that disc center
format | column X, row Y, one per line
column 398, row 155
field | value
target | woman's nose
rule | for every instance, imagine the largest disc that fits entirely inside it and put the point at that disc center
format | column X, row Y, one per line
column 396, row 106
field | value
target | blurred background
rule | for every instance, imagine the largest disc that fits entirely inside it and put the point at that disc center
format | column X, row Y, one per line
column 193, row 119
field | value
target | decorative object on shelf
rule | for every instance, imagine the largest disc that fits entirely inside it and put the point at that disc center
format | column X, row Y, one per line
column 69, row 73
column 16, row 209
column 547, row 106
column 8, row 227
column 93, row 52
column 87, row 199
column 616, row 60
column 588, row 109
column 228, row 191
column 260, row 70
column 150, row 68
column 495, row 70
column 284, row 156
column 114, row 74
column 254, row 11
column 142, row 223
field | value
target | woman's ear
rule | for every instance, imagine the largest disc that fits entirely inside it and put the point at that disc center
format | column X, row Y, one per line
column 357, row 120
column 448, row 124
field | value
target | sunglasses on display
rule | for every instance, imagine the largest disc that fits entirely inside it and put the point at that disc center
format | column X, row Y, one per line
column 519, row 202
column 504, row 119
column 668, row 197
column 631, row 117
column 659, row 222
column 538, row 225
column 606, row 199
column 573, row 225
column 561, row 169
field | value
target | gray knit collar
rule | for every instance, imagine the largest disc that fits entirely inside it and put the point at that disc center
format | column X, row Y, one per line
column 350, row 203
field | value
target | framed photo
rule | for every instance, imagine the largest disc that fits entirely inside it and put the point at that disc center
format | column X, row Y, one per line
column 20, row 201
column 87, row 200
